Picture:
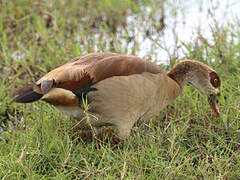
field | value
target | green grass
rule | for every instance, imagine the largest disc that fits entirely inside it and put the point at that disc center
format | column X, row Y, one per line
column 185, row 141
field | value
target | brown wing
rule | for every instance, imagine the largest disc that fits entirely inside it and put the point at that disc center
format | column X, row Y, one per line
column 94, row 67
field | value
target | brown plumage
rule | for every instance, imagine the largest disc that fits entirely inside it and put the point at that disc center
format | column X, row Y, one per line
column 94, row 68
column 119, row 89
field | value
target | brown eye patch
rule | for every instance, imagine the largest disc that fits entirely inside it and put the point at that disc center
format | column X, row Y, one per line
column 214, row 79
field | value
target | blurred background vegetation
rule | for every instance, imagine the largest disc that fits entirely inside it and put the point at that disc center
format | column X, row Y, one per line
column 184, row 141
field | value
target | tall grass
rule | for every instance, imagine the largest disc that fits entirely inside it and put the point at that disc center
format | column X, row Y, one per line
column 185, row 141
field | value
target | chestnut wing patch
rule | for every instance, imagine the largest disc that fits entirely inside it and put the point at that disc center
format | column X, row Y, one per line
column 74, row 85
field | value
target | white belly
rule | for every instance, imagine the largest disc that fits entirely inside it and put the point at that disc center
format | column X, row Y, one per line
column 71, row 110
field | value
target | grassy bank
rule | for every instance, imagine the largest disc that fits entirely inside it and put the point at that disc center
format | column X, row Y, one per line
column 186, row 141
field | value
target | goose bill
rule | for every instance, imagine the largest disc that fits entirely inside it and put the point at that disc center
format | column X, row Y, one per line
column 212, row 102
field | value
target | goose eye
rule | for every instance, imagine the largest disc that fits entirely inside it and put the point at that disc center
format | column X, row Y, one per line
column 215, row 82
column 214, row 79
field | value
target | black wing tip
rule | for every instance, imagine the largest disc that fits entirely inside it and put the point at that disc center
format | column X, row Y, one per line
column 82, row 92
column 25, row 94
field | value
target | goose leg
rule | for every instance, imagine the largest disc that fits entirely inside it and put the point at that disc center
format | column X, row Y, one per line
column 124, row 129
column 123, row 133
column 97, row 133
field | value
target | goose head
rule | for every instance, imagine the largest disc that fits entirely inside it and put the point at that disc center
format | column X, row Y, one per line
column 204, row 78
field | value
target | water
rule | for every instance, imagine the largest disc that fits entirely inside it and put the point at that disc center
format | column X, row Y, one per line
column 190, row 17
column 183, row 21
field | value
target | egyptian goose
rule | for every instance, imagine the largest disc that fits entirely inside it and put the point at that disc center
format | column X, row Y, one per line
column 119, row 89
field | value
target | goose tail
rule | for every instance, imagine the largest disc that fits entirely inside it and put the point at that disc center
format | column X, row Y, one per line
column 26, row 94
